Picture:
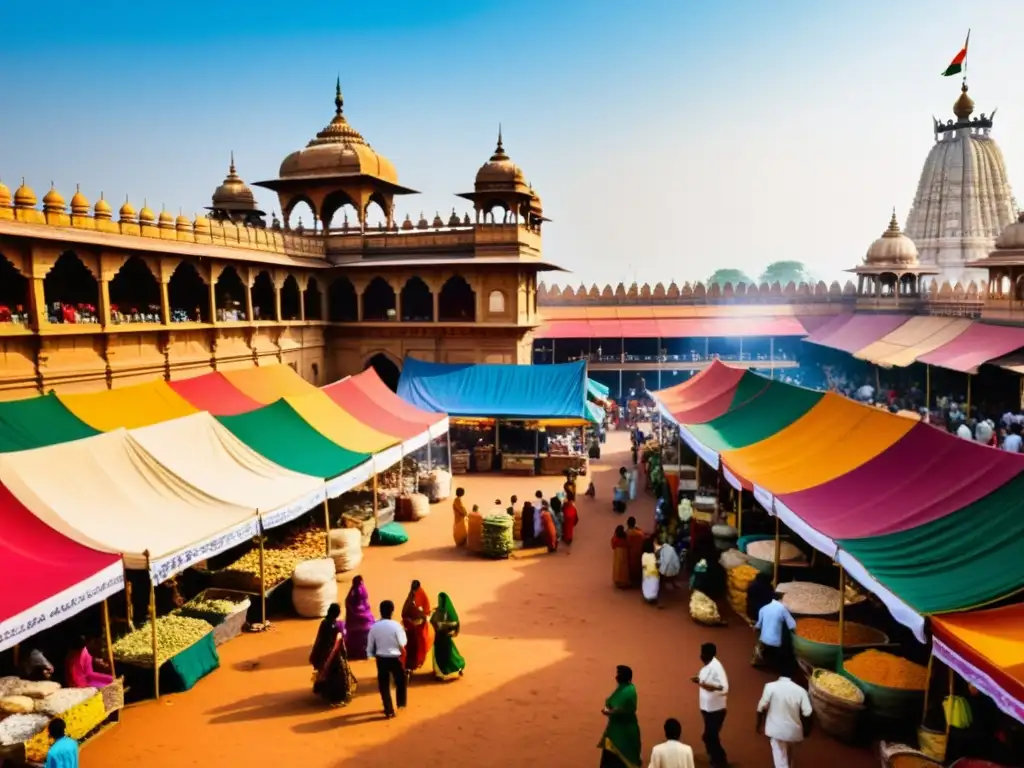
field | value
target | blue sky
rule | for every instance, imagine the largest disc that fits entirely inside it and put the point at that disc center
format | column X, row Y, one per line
column 666, row 138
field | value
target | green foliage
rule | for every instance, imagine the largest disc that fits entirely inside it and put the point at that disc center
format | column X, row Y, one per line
column 732, row 276
column 784, row 272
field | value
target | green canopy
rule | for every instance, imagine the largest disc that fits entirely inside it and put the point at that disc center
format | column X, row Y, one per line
column 38, row 421
column 280, row 434
column 759, row 409
column 597, row 390
column 595, row 413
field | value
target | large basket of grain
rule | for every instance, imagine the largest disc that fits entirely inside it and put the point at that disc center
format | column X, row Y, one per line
column 762, row 554
column 893, row 686
column 365, row 525
column 496, row 536
column 817, row 640
column 805, row 598
column 838, row 703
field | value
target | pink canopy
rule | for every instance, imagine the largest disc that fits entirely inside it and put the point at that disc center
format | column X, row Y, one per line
column 370, row 383
column 925, row 475
column 977, row 345
column 858, row 332
column 214, row 393
column 348, row 395
column 704, row 397
column 823, row 329
column 46, row 578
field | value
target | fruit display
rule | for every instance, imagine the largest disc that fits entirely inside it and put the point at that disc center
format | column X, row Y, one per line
column 173, row 635
column 310, row 544
column 496, row 537
column 703, row 609
column 836, row 685
column 804, row 598
column 60, row 702
column 888, row 671
column 244, row 573
column 739, row 579
column 218, row 607
column 79, row 720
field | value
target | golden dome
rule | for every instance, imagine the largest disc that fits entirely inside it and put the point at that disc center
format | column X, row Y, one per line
column 127, row 212
column 146, row 215
column 102, row 209
column 5, row 196
column 453, row 220
column 201, row 224
column 338, row 150
column 407, row 224
column 53, row 201
column 500, row 171
column 182, row 224
column 438, row 222
column 233, row 193
column 24, row 197
column 79, row 203
column 892, row 249
column 165, row 220
column 422, row 223
column 535, row 202
column 964, row 105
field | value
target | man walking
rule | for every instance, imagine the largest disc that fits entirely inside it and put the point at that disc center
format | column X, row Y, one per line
column 783, row 715
column 386, row 642
column 64, row 750
column 775, row 622
column 672, row 753
column 713, row 696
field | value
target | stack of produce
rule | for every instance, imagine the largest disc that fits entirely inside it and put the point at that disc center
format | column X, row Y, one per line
column 309, row 544
column 244, row 573
column 7, row 682
column 19, row 728
column 837, row 702
column 34, row 689
column 739, row 579
column 703, row 609
column 496, row 537
column 805, row 598
column 887, row 671
column 79, row 720
column 174, row 634
column 314, row 588
column 827, row 632
column 14, row 704
column 346, row 549
column 59, row 702
column 837, row 686
column 765, row 550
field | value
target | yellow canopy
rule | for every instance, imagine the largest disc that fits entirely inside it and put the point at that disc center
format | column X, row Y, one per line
column 338, row 425
column 836, row 436
column 915, row 338
column 129, row 407
column 268, row 383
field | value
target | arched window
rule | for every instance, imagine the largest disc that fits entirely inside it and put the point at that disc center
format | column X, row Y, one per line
column 134, row 294
column 72, row 292
column 311, row 300
column 188, row 295
column 14, row 297
column 417, row 302
column 291, row 299
column 263, row 299
column 496, row 303
column 379, row 300
column 342, row 301
column 386, row 369
column 457, row 302
column 230, row 297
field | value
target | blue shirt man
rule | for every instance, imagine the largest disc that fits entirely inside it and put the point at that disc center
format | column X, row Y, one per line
column 64, row 750
column 770, row 621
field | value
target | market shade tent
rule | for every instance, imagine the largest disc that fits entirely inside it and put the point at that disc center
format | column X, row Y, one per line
column 138, row 405
column 207, row 455
column 45, row 577
column 111, row 495
column 212, row 392
column 669, row 328
column 857, row 332
column 986, row 648
column 374, row 387
column 38, row 421
column 280, row 434
column 975, row 346
column 341, row 427
column 497, row 390
column 267, row 383
column 915, row 338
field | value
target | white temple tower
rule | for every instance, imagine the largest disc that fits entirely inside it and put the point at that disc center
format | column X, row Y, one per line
column 963, row 199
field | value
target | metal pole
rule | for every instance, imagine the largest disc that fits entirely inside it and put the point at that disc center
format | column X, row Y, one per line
column 842, row 607
column 739, row 512
column 327, row 528
column 430, row 459
column 928, row 685
column 107, row 637
column 263, row 581
column 449, row 442
column 778, row 550
column 152, row 628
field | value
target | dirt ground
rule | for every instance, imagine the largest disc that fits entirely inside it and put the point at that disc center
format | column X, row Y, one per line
column 541, row 635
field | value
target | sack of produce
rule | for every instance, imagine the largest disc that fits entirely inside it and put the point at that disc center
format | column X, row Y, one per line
column 7, row 682
column 732, row 558
column 838, row 703
column 391, row 535
column 765, row 550
column 496, row 538
column 19, row 728
column 703, row 610
column 419, row 506
column 58, row 703
column 346, row 549
column 313, row 602
column 17, row 705
column 314, row 573
column 34, row 690
column 441, row 486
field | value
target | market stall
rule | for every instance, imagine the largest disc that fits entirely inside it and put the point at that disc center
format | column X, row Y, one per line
column 212, row 392
column 38, row 421
column 138, row 405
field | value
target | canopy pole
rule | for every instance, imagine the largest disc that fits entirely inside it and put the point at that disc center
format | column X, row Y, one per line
column 842, row 608
column 327, row 528
column 928, row 684
column 771, row 356
column 947, row 711
column 878, row 381
column 107, row 636
column 376, row 509
column 739, row 512
column 497, row 444
column 778, row 550
column 152, row 628
column 696, row 474
column 928, row 389
column 129, row 608
column 430, row 458
column 16, row 654
column 263, row 581
column 449, row 442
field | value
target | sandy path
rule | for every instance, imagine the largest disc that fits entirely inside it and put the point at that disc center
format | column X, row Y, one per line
column 541, row 636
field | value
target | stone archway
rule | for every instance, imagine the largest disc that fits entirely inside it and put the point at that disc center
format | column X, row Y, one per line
column 386, row 368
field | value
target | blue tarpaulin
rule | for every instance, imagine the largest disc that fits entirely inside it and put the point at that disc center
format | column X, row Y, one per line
column 597, row 391
column 501, row 391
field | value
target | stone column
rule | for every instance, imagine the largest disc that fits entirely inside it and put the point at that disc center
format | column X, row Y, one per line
column 279, row 276
column 167, row 265
column 250, row 278
column 214, row 273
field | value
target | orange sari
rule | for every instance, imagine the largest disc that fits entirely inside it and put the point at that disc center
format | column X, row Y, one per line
column 549, row 533
column 459, row 532
column 415, row 615
column 620, row 562
column 635, row 538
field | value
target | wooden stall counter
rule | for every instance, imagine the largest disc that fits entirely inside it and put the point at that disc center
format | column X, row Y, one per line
column 483, row 458
column 460, row 462
column 558, row 464
column 525, row 463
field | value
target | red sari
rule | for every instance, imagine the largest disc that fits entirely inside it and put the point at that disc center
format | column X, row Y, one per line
column 569, row 519
column 635, row 538
column 620, row 562
column 548, row 531
column 415, row 615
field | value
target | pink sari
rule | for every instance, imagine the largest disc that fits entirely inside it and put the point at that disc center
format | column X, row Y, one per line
column 81, row 674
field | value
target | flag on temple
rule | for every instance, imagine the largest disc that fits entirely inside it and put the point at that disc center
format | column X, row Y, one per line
column 956, row 66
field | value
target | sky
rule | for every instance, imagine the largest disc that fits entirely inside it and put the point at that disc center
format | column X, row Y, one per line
column 667, row 139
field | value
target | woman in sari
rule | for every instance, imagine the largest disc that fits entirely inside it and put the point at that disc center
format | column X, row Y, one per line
column 358, row 618
column 570, row 517
column 448, row 662
column 650, row 584
column 80, row 667
column 459, row 530
column 332, row 679
column 527, row 527
column 548, row 530
column 620, row 558
column 620, row 744
column 620, row 495
column 415, row 615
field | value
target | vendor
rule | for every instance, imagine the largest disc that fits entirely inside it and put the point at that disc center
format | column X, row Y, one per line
column 80, row 667
column 36, row 666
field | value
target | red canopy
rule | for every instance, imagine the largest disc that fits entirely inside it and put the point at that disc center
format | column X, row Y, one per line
column 857, row 332
column 45, row 577
column 670, row 328
column 704, row 397
column 370, row 383
column 348, row 395
column 978, row 344
column 214, row 393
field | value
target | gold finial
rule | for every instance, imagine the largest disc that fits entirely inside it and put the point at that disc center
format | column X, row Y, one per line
column 339, row 103
column 499, row 150
column 964, row 106
column 894, row 226
column 231, row 168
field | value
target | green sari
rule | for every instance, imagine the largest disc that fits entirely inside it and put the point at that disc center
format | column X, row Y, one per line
column 622, row 735
column 448, row 662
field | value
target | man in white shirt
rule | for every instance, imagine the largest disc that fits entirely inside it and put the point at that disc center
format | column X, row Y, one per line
column 713, row 694
column 672, row 753
column 783, row 715
column 1012, row 442
column 385, row 643
column 775, row 622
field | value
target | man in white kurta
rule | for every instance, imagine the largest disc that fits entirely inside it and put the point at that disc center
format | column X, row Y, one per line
column 782, row 712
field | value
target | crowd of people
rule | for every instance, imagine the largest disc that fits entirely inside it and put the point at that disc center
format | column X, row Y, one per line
column 398, row 648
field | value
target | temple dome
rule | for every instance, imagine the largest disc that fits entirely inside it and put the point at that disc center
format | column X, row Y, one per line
column 24, row 196
column 892, row 249
column 1012, row 238
column 233, row 193
column 53, row 201
column 499, row 172
column 338, row 150
column 79, row 203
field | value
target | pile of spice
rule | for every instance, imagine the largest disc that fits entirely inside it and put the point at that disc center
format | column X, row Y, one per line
column 888, row 671
column 805, row 598
column 838, row 686
column 827, row 632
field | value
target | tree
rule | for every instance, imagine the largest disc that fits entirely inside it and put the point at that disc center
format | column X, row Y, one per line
column 783, row 272
column 733, row 276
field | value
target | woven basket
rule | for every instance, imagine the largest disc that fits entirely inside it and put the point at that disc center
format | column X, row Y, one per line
column 365, row 526
column 419, row 506
column 113, row 695
column 837, row 717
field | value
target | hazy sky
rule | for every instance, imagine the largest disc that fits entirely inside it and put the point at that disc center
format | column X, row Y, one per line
column 667, row 139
